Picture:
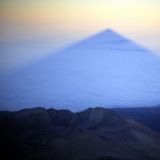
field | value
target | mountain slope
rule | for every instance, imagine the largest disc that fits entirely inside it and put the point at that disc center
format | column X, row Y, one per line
column 148, row 116
column 106, row 69
column 95, row 133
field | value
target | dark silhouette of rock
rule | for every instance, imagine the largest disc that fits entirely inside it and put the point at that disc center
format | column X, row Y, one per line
column 148, row 116
column 93, row 134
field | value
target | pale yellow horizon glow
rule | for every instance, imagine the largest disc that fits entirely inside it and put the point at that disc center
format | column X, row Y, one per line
column 66, row 21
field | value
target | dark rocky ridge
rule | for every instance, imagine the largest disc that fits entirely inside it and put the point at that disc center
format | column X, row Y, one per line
column 95, row 133
column 148, row 116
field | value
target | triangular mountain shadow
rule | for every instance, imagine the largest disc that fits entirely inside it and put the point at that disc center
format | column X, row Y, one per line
column 108, row 40
column 106, row 69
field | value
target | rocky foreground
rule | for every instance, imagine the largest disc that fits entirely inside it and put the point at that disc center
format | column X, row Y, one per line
column 93, row 134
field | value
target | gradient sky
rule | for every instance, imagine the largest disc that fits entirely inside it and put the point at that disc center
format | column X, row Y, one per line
column 34, row 28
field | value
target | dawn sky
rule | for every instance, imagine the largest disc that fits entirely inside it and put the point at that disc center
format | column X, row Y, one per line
column 32, row 29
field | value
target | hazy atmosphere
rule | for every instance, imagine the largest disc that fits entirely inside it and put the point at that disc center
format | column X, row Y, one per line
column 80, row 79
column 33, row 29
